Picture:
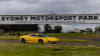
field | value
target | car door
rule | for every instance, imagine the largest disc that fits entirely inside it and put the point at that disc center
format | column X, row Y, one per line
column 33, row 38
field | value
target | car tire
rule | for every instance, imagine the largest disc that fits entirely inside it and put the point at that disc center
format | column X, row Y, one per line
column 40, row 41
column 23, row 40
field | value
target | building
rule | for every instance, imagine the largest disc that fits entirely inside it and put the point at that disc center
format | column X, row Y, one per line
column 30, row 22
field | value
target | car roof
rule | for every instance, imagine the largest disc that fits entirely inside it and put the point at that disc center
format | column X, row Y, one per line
column 35, row 34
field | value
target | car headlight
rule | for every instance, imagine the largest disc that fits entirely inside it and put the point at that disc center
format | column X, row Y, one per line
column 56, row 39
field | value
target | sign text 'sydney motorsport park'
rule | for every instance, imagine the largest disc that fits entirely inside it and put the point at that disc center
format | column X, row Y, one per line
column 50, row 19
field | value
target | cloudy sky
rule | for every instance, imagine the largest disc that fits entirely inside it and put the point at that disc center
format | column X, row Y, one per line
column 31, row 7
column 49, row 6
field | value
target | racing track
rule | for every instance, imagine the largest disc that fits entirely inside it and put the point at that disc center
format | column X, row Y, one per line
column 60, row 43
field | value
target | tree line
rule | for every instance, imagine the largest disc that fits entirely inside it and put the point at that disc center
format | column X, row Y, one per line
column 47, row 28
column 33, row 28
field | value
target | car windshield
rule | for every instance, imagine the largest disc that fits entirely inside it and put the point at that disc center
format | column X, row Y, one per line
column 42, row 35
column 32, row 35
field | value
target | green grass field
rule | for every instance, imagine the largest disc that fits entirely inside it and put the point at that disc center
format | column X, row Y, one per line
column 18, row 49
column 68, row 34
column 7, row 37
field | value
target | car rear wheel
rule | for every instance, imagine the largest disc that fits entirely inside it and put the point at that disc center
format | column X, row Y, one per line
column 40, row 41
column 23, row 41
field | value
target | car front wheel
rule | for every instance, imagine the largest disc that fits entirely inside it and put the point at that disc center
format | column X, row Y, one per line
column 40, row 41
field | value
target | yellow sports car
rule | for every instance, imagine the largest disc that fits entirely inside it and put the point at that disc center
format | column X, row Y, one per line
column 38, row 38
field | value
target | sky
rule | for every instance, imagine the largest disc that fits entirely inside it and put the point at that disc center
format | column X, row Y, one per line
column 32, row 7
column 49, row 6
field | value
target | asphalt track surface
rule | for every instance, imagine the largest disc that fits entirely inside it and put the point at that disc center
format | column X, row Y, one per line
column 60, row 43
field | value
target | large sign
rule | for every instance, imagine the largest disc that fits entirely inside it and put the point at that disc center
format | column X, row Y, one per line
column 50, row 19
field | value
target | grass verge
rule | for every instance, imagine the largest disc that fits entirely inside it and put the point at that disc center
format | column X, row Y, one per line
column 68, row 34
column 9, row 37
column 77, row 40
column 16, row 49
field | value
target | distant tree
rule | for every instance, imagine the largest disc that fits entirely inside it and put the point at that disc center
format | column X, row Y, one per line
column 47, row 28
column 21, row 27
column 71, row 32
column 58, row 29
column 89, row 30
column 97, row 29
column 1, row 31
column 82, row 31
column 18, row 34
column 35, row 27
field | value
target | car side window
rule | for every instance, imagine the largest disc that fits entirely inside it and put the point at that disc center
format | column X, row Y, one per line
column 42, row 36
column 32, row 35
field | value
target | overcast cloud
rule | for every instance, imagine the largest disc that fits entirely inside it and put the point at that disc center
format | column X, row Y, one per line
column 48, row 6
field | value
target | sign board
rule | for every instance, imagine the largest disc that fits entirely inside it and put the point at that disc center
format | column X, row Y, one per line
column 51, row 19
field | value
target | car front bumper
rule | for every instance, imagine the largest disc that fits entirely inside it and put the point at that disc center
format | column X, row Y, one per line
column 53, row 42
